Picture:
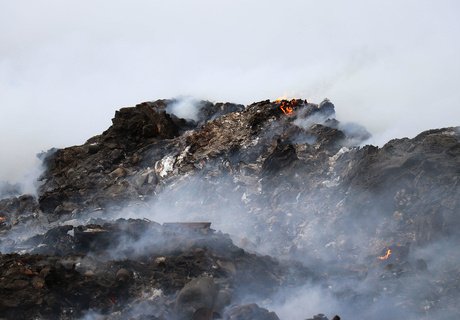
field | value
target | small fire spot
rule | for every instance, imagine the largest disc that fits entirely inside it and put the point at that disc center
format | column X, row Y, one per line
column 386, row 255
column 287, row 106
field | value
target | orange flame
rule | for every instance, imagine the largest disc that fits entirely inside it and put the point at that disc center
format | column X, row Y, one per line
column 287, row 109
column 386, row 256
column 287, row 106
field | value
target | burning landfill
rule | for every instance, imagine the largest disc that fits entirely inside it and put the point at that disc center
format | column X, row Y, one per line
column 274, row 210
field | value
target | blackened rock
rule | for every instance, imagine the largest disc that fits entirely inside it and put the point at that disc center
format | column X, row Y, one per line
column 327, row 137
column 56, row 241
column 146, row 120
column 321, row 113
column 203, row 314
column 284, row 156
column 209, row 111
column 19, row 205
column 250, row 312
column 123, row 276
column 49, row 202
column 197, row 294
column 326, row 108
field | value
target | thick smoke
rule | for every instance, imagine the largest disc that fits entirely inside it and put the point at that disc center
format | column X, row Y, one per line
column 9, row 190
column 28, row 183
column 186, row 108
column 197, row 199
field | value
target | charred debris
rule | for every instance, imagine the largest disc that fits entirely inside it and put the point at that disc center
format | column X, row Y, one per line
column 301, row 199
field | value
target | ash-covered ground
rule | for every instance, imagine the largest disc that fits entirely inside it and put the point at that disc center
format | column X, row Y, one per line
column 200, row 210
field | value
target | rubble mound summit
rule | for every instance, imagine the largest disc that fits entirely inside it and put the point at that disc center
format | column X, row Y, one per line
column 146, row 146
column 305, row 206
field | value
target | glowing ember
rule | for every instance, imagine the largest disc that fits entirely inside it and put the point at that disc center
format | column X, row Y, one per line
column 385, row 256
column 287, row 106
column 286, row 109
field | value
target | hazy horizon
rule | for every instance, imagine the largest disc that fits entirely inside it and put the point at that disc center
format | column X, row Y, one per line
column 65, row 67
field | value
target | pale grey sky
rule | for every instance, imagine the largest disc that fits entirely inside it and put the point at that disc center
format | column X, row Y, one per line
column 66, row 66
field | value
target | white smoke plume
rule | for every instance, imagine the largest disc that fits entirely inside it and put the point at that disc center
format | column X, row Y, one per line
column 186, row 108
column 27, row 184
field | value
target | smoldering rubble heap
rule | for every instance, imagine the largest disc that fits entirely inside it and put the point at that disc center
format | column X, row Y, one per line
column 303, row 202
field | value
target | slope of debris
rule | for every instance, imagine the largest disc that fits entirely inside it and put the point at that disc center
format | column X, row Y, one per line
column 166, row 271
column 283, row 178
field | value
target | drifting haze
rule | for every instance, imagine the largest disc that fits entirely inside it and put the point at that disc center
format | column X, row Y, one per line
column 66, row 66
